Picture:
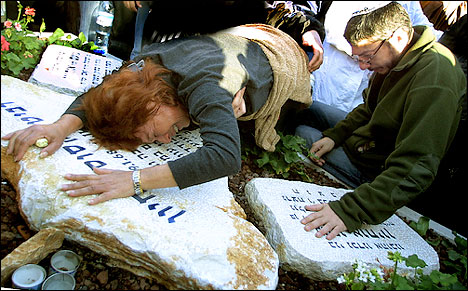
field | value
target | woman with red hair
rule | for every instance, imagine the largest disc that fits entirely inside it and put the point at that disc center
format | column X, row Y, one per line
column 243, row 73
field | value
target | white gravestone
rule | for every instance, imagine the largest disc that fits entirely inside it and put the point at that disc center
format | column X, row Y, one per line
column 196, row 238
column 280, row 204
column 71, row 71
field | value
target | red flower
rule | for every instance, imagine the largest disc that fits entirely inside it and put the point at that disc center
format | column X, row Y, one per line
column 29, row 11
column 7, row 23
column 5, row 44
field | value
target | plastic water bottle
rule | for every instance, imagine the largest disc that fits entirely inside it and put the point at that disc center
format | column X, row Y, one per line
column 103, row 27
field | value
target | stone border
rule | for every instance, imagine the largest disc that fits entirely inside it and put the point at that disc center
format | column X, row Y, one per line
column 441, row 230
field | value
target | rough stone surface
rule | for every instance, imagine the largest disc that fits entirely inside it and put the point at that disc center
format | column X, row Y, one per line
column 196, row 238
column 279, row 204
column 32, row 251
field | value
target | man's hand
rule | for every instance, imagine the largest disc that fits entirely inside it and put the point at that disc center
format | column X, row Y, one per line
column 238, row 103
column 312, row 39
column 132, row 5
column 325, row 217
column 320, row 148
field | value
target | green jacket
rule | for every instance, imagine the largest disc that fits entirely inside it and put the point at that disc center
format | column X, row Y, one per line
column 399, row 135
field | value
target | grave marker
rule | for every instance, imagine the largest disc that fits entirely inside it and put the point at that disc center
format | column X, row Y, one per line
column 196, row 238
column 280, row 205
column 71, row 71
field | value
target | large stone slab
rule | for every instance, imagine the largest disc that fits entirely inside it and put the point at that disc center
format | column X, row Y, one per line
column 196, row 238
column 280, row 205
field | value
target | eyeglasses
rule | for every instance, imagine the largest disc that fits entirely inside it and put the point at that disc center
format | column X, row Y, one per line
column 367, row 59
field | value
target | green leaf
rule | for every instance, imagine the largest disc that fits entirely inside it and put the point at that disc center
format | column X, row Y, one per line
column 82, row 37
column 16, row 69
column 264, row 159
column 414, row 262
column 76, row 43
column 293, row 142
column 358, row 286
column 13, row 58
column 291, row 157
column 454, row 256
column 93, row 46
column 426, row 283
column 460, row 242
column 401, row 283
column 58, row 33
column 447, row 279
column 43, row 26
column 435, row 242
column 379, row 286
column 422, row 226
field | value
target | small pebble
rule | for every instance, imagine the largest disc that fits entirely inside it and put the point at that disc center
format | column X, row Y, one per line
column 42, row 142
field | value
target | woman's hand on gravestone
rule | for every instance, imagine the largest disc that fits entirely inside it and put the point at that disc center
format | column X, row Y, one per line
column 109, row 184
column 324, row 218
column 112, row 184
column 21, row 140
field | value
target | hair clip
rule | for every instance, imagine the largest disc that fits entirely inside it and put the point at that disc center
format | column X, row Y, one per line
column 134, row 67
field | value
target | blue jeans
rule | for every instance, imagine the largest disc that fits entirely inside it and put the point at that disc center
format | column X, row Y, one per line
column 142, row 14
column 317, row 118
column 86, row 10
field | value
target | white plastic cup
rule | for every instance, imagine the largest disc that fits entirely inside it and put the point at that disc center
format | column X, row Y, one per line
column 59, row 281
column 64, row 261
column 29, row 276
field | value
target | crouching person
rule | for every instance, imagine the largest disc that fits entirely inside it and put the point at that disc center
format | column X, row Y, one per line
column 388, row 148
column 245, row 73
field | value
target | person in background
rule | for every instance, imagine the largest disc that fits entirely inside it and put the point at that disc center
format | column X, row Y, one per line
column 443, row 14
column 140, row 23
column 389, row 148
column 339, row 81
column 209, row 16
column 142, row 9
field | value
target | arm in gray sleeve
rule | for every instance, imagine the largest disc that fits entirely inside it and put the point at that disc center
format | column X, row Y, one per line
column 74, row 109
column 211, row 107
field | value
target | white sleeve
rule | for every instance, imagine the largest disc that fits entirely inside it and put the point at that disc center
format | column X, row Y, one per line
column 418, row 17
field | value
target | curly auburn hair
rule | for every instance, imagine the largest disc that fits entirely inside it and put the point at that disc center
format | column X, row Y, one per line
column 117, row 107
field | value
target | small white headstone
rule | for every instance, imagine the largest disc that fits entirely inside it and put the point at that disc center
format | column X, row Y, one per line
column 71, row 71
column 280, row 205
column 196, row 238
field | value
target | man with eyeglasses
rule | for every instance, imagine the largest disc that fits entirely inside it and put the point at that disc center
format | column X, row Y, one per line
column 388, row 148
